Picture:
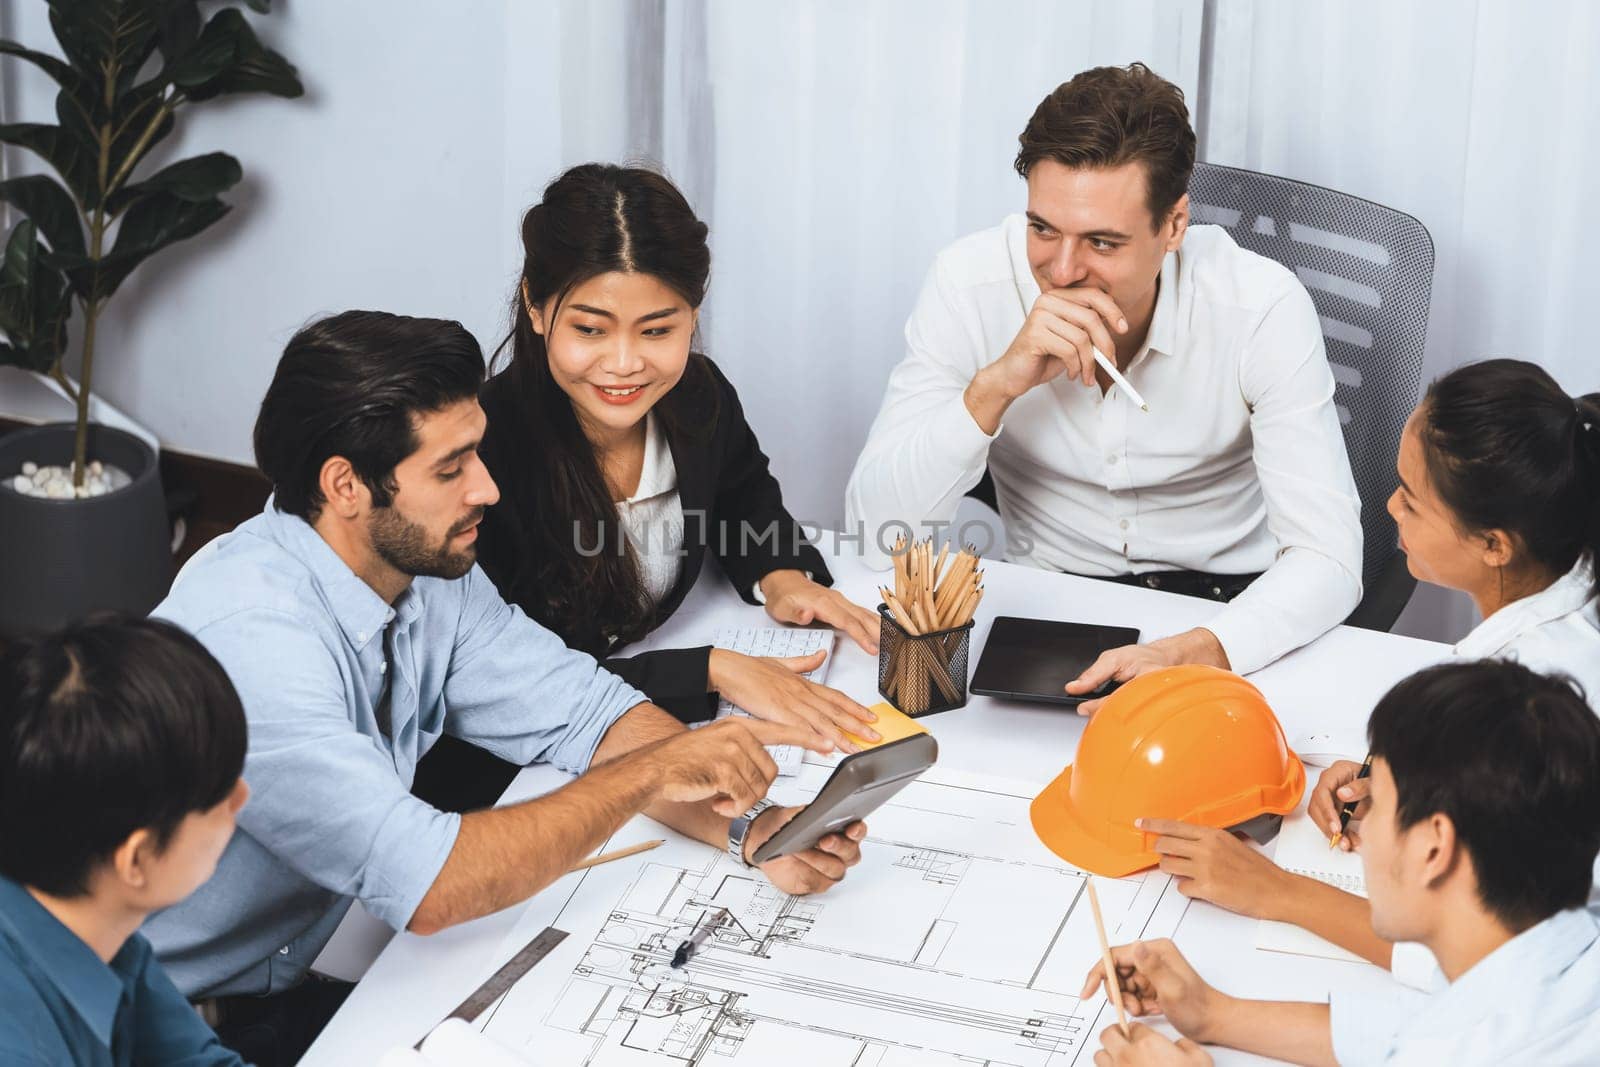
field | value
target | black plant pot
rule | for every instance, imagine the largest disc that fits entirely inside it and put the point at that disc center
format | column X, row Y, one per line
column 63, row 559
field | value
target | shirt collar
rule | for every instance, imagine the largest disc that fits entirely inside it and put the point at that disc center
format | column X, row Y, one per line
column 92, row 988
column 1016, row 235
column 659, row 474
column 360, row 612
column 1564, row 596
column 1163, row 333
column 1533, row 960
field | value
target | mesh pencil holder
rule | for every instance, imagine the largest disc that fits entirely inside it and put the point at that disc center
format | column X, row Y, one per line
column 922, row 673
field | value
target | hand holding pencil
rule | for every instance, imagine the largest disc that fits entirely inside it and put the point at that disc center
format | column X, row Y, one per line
column 1069, row 331
column 1153, row 978
column 1349, row 807
column 1340, row 787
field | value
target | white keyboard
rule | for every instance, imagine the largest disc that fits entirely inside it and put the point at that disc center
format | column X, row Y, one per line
column 781, row 641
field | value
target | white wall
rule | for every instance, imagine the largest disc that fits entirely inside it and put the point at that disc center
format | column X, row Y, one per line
column 395, row 183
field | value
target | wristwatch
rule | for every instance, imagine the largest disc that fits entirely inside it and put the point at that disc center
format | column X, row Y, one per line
column 739, row 829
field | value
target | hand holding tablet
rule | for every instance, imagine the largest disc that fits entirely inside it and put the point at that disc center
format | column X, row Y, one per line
column 1034, row 659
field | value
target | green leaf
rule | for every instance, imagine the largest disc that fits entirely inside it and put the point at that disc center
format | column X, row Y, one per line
column 116, row 38
column 51, row 209
column 61, row 73
column 78, row 95
column 67, row 154
column 211, row 53
column 34, row 304
column 119, row 35
column 228, row 58
column 16, row 283
column 76, row 120
column 150, row 224
column 194, row 180
column 178, row 31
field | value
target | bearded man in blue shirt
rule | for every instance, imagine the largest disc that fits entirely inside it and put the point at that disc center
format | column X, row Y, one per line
column 358, row 630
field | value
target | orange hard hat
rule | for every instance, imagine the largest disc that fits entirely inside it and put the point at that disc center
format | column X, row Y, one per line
column 1193, row 743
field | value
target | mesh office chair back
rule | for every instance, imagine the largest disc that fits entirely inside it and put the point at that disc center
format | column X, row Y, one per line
column 1369, row 270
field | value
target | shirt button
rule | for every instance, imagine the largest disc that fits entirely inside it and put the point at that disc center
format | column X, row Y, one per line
column 361, row 635
column 1123, row 524
column 284, row 951
column 382, row 667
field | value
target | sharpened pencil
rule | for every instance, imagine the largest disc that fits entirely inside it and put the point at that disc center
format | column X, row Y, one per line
column 619, row 854
column 1113, row 987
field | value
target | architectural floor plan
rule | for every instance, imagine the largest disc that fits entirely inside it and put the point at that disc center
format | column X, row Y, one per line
column 958, row 940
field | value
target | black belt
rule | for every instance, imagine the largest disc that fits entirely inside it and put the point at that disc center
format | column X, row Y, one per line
column 1218, row 587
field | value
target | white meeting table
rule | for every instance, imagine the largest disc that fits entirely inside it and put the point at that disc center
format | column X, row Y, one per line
column 1331, row 684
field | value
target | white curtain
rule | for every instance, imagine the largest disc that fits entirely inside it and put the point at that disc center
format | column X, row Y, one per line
column 834, row 147
column 1478, row 119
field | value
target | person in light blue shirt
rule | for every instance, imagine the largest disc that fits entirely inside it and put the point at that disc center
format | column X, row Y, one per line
column 357, row 628
column 121, row 745
column 1478, row 842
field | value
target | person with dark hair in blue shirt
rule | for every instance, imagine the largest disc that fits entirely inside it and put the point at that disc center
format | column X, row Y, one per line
column 121, row 748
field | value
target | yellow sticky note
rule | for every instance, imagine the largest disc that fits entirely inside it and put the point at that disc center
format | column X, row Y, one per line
column 892, row 725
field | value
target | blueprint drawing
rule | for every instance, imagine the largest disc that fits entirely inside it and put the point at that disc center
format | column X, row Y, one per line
column 958, row 940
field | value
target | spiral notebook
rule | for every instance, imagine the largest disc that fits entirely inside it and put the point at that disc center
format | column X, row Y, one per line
column 1303, row 849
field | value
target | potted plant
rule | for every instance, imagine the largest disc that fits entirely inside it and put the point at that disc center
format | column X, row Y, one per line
column 96, row 537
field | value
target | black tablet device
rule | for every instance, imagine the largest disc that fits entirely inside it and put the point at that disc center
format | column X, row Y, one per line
column 1031, row 659
column 859, row 785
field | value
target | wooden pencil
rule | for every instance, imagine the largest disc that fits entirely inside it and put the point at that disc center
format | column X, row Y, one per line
column 619, row 854
column 897, row 609
column 1113, row 987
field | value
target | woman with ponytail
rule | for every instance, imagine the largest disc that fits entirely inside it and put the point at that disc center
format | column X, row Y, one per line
column 624, row 459
column 1499, row 497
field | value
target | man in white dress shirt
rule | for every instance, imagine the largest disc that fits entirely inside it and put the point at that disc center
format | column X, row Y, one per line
column 1238, row 468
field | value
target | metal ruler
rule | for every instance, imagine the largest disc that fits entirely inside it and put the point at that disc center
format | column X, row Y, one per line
column 506, row 977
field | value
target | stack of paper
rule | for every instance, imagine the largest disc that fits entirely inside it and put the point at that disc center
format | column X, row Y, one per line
column 1303, row 849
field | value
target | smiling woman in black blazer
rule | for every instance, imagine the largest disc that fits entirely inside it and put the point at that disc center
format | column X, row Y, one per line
column 624, row 460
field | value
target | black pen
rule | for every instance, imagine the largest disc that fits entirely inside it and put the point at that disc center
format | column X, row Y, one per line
column 1349, row 807
column 691, row 944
